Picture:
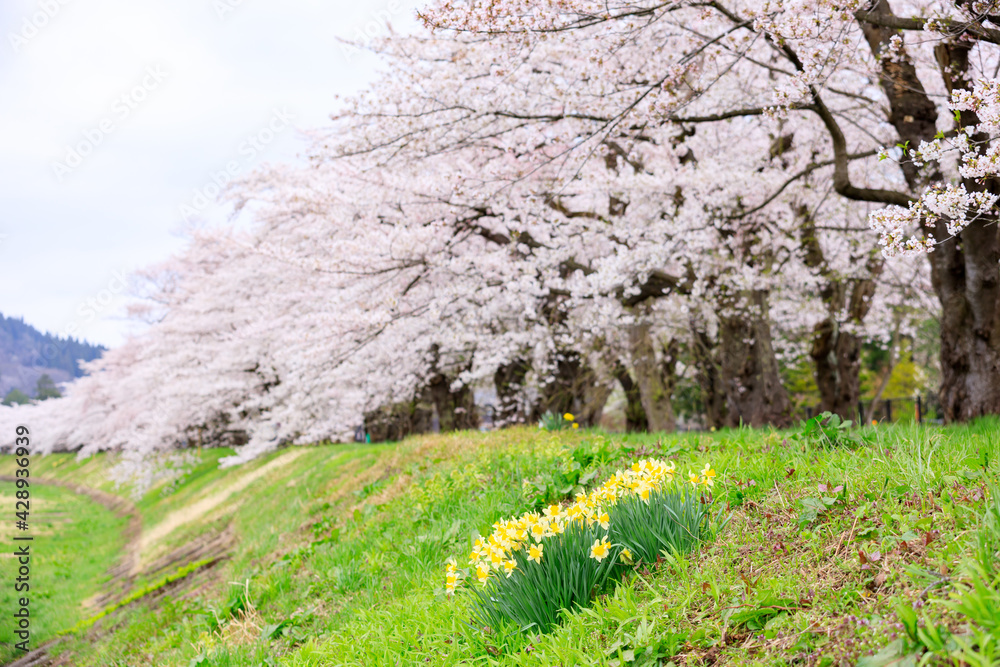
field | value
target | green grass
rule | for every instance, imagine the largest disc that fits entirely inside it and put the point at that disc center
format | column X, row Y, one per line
column 340, row 552
column 75, row 542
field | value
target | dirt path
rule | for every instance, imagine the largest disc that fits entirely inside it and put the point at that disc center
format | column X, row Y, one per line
column 210, row 549
column 202, row 507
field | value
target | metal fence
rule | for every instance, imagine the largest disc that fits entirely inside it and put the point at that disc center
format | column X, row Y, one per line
column 923, row 408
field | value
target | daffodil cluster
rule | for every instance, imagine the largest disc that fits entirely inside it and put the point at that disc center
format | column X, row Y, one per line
column 494, row 555
column 554, row 422
column 571, row 419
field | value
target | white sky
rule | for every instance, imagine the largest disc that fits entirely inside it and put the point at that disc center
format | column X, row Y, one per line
column 198, row 78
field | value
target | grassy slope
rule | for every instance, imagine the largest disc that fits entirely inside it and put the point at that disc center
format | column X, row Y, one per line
column 75, row 541
column 340, row 550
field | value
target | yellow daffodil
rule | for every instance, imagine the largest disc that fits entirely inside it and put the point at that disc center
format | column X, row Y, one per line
column 599, row 549
column 643, row 491
column 707, row 475
column 538, row 531
column 527, row 532
column 568, row 417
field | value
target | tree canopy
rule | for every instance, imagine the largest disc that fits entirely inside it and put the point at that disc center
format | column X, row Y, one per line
column 554, row 197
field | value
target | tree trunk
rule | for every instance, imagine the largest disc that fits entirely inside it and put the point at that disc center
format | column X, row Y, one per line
column 398, row 420
column 964, row 270
column 574, row 388
column 837, row 357
column 966, row 277
column 708, row 375
column 965, row 281
column 595, row 397
column 890, row 367
column 750, row 372
column 456, row 408
column 635, row 414
column 836, row 353
column 655, row 378
column 509, row 383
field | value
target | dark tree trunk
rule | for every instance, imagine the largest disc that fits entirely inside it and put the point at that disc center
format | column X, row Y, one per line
column 836, row 353
column 655, row 377
column 966, row 275
column 595, row 397
column 965, row 280
column 964, row 270
column 398, row 420
column 574, row 388
column 750, row 372
column 635, row 414
column 456, row 408
column 509, row 383
column 708, row 375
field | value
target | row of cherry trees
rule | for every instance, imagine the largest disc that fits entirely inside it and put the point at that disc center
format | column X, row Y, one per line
column 553, row 198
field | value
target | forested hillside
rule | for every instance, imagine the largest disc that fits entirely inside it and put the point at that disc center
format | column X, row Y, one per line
column 26, row 354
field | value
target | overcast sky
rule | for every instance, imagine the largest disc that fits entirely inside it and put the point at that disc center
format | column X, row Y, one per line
column 116, row 114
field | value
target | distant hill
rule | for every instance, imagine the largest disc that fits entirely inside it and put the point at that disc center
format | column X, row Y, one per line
column 26, row 354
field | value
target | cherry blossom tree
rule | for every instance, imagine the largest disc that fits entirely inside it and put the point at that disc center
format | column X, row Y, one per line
column 852, row 77
column 552, row 198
